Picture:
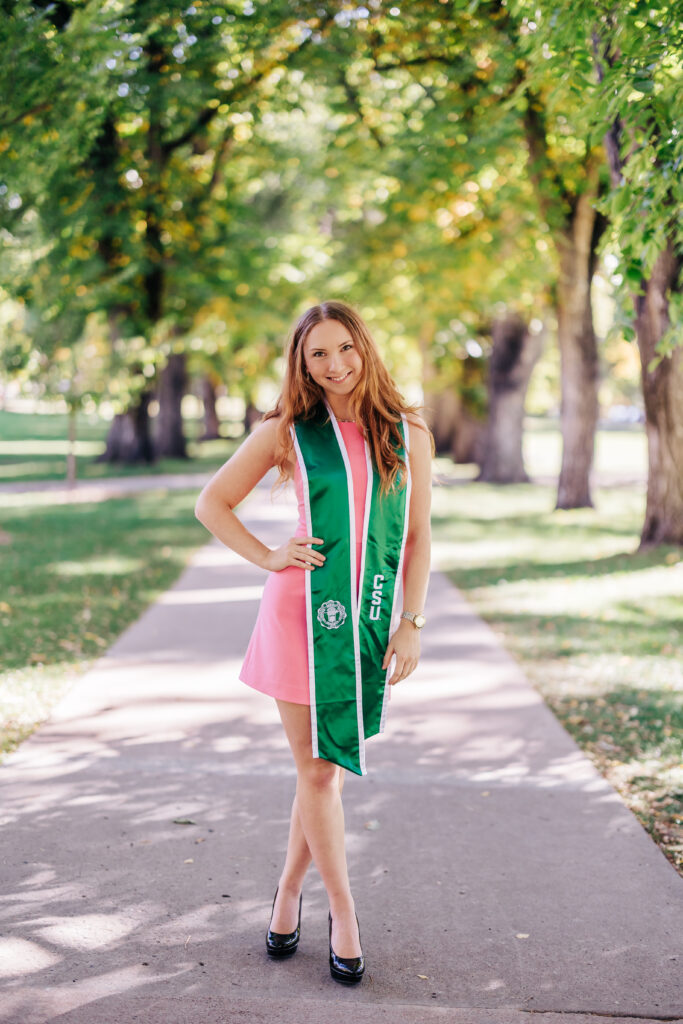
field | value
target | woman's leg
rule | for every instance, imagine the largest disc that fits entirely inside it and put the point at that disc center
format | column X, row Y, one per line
column 321, row 819
column 297, row 861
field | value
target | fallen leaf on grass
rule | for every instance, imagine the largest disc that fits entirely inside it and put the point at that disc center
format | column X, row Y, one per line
column 99, row 640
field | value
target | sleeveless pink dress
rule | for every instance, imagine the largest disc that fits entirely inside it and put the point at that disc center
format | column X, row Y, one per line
column 276, row 661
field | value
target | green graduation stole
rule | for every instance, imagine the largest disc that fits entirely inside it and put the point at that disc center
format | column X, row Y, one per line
column 347, row 636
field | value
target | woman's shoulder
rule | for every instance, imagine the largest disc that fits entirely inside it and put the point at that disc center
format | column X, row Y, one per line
column 416, row 420
column 286, row 451
column 268, row 429
column 417, row 424
column 419, row 436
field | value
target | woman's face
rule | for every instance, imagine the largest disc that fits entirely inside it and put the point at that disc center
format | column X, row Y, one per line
column 332, row 358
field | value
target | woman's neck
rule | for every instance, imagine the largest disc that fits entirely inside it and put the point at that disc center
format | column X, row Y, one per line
column 342, row 415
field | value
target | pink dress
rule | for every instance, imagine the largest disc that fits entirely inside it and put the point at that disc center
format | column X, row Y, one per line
column 276, row 661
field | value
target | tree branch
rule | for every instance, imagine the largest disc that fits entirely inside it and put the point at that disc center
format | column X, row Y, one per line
column 541, row 167
column 407, row 62
column 614, row 132
column 354, row 99
column 207, row 115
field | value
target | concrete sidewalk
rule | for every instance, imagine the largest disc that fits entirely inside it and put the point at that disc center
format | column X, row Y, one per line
column 58, row 492
column 498, row 878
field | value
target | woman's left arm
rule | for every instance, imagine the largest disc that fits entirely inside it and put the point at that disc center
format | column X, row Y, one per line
column 405, row 642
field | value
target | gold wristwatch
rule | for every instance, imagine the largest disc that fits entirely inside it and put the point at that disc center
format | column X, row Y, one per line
column 417, row 619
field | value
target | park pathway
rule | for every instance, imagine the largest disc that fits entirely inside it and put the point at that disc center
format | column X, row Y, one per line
column 57, row 492
column 498, row 878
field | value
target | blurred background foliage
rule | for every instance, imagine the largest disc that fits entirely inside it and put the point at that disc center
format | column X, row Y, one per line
column 493, row 184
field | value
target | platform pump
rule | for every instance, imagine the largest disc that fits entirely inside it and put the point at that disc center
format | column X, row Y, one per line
column 279, row 944
column 348, row 970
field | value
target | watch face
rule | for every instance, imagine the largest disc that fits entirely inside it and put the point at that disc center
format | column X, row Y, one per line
column 419, row 621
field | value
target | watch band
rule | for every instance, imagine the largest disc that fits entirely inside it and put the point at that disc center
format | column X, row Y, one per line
column 417, row 618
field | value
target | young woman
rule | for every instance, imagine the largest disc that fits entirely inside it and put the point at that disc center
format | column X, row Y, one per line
column 330, row 623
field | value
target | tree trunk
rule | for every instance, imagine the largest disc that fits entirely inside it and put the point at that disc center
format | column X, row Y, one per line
column 442, row 411
column 457, row 433
column 211, row 421
column 576, row 235
column 663, row 396
column 470, row 435
column 251, row 416
column 170, row 439
column 515, row 353
column 578, row 355
column 128, row 439
column 663, row 386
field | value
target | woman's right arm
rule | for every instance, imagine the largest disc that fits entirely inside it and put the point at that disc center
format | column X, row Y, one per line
column 230, row 485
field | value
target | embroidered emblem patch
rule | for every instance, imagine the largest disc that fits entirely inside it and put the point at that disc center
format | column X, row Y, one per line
column 331, row 614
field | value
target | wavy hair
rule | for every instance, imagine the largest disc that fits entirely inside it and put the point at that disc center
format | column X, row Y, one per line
column 375, row 401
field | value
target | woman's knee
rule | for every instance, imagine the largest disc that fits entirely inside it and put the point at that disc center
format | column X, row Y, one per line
column 313, row 771
column 319, row 774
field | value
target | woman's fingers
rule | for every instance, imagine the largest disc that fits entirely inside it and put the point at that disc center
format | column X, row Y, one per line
column 304, row 555
column 403, row 668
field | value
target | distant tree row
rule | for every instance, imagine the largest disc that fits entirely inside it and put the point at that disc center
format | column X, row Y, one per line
column 177, row 182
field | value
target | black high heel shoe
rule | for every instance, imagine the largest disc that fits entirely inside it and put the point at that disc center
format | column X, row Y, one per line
column 348, row 969
column 279, row 944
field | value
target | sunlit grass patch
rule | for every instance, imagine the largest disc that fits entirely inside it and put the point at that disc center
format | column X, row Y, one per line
column 72, row 578
column 108, row 565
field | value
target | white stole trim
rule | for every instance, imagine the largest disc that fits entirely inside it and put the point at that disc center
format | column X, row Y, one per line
column 309, row 608
column 395, row 617
column 355, row 596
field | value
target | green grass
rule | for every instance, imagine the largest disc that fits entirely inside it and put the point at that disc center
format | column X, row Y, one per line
column 72, row 578
column 596, row 627
column 34, row 447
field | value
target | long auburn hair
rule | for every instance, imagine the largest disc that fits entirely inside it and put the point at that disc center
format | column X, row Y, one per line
column 375, row 401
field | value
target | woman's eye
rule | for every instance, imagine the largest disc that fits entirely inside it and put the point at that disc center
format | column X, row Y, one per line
column 348, row 345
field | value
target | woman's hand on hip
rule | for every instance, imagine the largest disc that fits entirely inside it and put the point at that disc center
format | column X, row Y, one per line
column 405, row 644
column 295, row 552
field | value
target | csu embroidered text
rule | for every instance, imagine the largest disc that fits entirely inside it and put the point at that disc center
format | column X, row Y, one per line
column 376, row 596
